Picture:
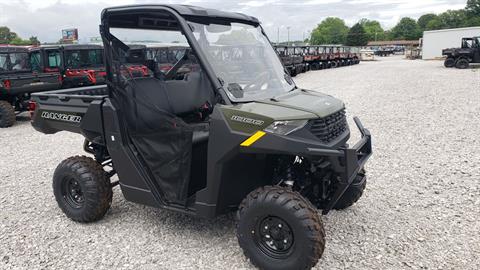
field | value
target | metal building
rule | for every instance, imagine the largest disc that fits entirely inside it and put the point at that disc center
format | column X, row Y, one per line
column 435, row 41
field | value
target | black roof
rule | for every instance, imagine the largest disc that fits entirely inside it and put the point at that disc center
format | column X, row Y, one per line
column 12, row 49
column 44, row 47
column 185, row 11
column 81, row 47
column 67, row 47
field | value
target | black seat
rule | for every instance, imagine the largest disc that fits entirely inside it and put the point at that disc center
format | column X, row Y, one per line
column 151, row 96
column 176, row 96
column 190, row 94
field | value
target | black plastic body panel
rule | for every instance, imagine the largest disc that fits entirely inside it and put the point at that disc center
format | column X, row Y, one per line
column 27, row 83
column 231, row 175
column 131, row 174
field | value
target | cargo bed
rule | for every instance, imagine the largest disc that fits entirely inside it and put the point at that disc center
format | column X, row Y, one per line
column 69, row 110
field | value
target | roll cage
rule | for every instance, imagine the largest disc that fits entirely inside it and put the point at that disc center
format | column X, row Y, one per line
column 165, row 18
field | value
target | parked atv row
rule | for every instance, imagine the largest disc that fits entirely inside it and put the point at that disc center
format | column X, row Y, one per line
column 299, row 59
column 27, row 70
column 462, row 57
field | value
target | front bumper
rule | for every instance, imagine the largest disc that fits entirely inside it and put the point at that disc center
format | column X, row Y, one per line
column 345, row 161
column 354, row 160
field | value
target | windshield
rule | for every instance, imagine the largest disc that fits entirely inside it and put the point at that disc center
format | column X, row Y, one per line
column 83, row 58
column 243, row 59
column 13, row 62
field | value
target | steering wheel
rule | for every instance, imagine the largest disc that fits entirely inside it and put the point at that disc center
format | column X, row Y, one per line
column 258, row 81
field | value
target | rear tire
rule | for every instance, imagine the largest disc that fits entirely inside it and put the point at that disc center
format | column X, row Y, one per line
column 7, row 114
column 353, row 193
column 279, row 229
column 81, row 189
column 462, row 63
column 449, row 62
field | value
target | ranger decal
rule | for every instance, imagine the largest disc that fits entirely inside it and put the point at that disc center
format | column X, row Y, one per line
column 61, row 117
column 247, row 120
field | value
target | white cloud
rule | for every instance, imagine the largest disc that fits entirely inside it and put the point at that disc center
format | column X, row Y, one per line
column 257, row 3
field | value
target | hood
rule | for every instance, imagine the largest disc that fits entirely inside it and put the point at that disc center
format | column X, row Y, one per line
column 295, row 105
column 307, row 102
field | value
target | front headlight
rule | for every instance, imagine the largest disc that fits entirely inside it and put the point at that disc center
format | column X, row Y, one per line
column 286, row 127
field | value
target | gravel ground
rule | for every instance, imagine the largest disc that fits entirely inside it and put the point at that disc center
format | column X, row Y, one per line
column 421, row 208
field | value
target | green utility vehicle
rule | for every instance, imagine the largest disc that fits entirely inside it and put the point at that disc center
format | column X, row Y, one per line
column 234, row 134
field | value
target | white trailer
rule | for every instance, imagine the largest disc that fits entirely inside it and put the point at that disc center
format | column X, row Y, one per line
column 435, row 41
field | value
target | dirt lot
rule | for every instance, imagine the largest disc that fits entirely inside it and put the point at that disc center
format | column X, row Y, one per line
column 421, row 209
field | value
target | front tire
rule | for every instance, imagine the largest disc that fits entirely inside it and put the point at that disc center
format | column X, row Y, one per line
column 81, row 189
column 7, row 114
column 449, row 62
column 279, row 229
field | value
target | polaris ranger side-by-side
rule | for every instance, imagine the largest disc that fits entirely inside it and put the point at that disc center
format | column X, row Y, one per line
column 236, row 134
column 317, row 57
column 462, row 57
column 165, row 56
column 18, row 80
column 80, row 65
column 291, row 59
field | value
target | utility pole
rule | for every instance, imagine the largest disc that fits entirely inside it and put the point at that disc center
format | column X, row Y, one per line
column 375, row 35
column 278, row 35
column 288, row 35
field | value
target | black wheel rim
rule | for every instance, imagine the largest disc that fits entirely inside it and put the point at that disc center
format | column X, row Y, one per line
column 72, row 193
column 274, row 237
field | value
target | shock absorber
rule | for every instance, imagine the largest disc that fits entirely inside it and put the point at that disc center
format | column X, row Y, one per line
column 288, row 179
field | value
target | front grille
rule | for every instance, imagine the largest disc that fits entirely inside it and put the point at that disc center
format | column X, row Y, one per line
column 329, row 128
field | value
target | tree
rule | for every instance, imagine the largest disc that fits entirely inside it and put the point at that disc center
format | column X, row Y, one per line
column 425, row 19
column 242, row 37
column 20, row 41
column 330, row 31
column 34, row 40
column 407, row 29
column 357, row 36
column 435, row 24
column 6, row 36
column 373, row 30
column 453, row 18
column 388, row 35
column 473, row 21
column 473, row 8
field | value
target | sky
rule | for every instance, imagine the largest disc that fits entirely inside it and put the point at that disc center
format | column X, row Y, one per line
column 46, row 18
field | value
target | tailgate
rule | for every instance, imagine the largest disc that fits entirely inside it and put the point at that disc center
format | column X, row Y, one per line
column 64, row 110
